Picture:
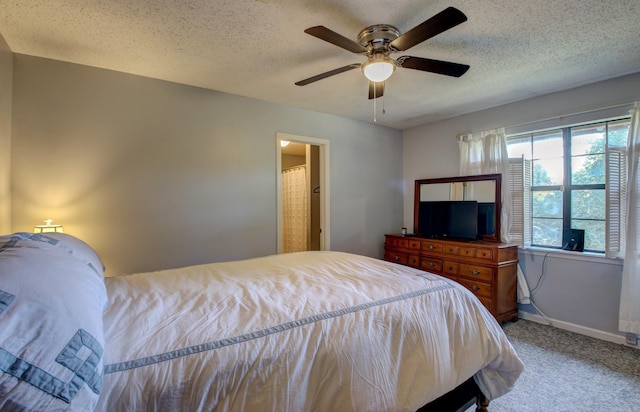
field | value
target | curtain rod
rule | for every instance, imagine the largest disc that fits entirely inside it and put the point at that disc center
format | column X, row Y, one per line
column 284, row 169
column 559, row 117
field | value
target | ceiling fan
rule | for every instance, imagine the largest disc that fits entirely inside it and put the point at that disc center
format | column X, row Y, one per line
column 377, row 42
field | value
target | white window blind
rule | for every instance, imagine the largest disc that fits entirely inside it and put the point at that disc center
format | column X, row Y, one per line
column 519, row 181
column 615, row 201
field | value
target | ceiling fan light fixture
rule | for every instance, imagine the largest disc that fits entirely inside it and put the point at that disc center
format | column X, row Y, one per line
column 378, row 68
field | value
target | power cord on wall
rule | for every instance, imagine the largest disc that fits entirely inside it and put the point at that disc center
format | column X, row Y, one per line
column 538, row 284
column 531, row 301
column 542, row 273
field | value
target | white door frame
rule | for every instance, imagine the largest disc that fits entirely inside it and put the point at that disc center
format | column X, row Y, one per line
column 324, row 186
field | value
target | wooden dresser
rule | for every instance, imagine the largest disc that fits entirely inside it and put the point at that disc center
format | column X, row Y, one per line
column 488, row 269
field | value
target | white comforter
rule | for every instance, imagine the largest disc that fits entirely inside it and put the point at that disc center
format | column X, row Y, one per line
column 321, row 331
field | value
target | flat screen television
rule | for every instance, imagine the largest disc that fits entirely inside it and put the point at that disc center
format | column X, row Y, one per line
column 486, row 219
column 449, row 219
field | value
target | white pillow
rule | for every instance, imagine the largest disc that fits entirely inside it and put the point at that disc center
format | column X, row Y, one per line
column 52, row 296
column 79, row 249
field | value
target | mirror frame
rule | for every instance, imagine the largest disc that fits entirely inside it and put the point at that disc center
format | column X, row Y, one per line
column 497, row 178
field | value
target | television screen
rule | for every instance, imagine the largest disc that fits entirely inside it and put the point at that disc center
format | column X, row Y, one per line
column 486, row 219
column 431, row 218
column 449, row 219
column 463, row 220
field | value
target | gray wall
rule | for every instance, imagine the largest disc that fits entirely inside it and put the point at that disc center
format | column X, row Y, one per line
column 579, row 290
column 157, row 175
column 6, row 75
column 581, row 293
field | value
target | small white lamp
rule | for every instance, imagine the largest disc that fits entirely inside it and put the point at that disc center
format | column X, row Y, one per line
column 48, row 227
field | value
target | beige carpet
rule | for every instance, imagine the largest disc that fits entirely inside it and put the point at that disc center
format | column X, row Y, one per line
column 565, row 371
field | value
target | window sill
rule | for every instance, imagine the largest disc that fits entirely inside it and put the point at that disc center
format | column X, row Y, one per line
column 567, row 254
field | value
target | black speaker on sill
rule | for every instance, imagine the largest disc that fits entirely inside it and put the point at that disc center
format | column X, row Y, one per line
column 573, row 239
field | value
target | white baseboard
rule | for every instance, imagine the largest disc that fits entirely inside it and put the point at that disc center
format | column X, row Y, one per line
column 572, row 327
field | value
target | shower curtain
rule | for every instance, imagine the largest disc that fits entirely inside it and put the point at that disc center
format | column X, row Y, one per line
column 295, row 206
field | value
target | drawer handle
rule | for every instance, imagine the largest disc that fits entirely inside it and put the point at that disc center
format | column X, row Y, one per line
column 431, row 264
column 431, row 247
column 396, row 257
column 474, row 287
column 474, row 272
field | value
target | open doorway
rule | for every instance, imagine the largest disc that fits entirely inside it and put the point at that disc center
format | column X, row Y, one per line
column 302, row 193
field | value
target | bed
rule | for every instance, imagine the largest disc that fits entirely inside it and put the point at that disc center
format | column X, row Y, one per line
column 307, row 331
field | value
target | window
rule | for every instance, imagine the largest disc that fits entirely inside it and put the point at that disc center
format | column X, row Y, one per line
column 568, row 177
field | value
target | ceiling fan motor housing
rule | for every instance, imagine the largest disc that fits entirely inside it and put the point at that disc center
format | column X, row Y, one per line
column 376, row 38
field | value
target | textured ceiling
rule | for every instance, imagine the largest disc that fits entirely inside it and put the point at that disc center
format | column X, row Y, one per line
column 258, row 48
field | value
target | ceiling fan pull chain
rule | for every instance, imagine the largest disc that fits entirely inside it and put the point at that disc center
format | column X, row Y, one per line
column 375, row 109
column 375, row 120
column 383, row 110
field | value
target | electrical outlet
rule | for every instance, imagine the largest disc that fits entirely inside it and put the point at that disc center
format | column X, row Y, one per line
column 632, row 339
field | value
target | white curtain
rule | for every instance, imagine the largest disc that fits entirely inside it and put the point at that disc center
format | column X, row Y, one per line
column 295, row 206
column 486, row 153
column 629, row 319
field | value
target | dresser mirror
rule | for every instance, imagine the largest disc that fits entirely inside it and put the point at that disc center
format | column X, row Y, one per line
column 484, row 189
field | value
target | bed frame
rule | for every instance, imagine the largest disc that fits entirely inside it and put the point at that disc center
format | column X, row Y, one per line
column 459, row 399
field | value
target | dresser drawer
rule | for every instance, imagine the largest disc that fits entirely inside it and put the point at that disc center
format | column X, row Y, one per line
column 484, row 253
column 480, row 289
column 431, row 264
column 460, row 250
column 413, row 261
column 475, row 272
column 403, row 243
column 486, row 302
column 451, row 249
column 430, row 246
column 467, row 251
column 451, row 268
column 396, row 257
